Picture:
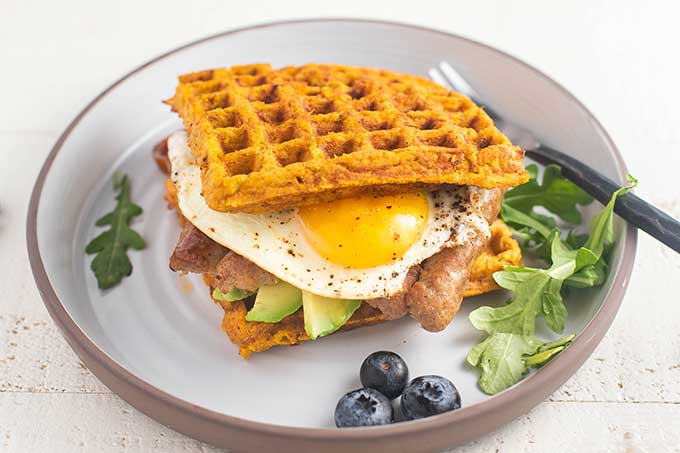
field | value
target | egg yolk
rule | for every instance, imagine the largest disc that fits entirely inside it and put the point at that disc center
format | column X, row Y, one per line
column 365, row 231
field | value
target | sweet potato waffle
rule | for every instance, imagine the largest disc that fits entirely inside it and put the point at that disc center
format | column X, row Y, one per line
column 270, row 139
column 251, row 337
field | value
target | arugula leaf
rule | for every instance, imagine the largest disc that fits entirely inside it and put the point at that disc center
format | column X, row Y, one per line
column 601, row 230
column 518, row 316
column 511, row 345
column 553, row 307
column 556, row 194
column 589, row 276
column 564, row 341
column 506, row 357
column 547, row 351
column 532, row 229
column 516, row 217
column 500, row 359
column 575, row 240
column 111, row 262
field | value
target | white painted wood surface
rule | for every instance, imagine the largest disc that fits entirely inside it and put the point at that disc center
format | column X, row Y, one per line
column 620, row 58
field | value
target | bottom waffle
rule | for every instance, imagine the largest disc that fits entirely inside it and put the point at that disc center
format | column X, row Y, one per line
column 251, row 336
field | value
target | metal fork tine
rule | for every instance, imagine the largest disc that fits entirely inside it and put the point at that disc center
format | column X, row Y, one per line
column 456, row 81
column 439, row 78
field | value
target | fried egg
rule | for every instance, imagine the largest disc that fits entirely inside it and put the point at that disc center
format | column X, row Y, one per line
column 353, row 248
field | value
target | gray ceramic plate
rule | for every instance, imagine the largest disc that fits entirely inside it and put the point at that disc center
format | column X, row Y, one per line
column 156, row 340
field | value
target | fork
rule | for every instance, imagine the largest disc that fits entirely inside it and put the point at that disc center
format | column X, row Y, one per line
column 629, row 206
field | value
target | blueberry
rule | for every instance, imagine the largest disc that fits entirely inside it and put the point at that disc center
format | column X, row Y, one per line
column 386, row 372
column 363, row 407
column 429, row 395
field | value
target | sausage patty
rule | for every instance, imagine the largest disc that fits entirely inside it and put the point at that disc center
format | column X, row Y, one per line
column 434, row 290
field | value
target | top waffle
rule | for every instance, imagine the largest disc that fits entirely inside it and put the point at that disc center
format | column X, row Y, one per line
column 270, row 139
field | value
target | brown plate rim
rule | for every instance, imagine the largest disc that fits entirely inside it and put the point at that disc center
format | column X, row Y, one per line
column 189, row 418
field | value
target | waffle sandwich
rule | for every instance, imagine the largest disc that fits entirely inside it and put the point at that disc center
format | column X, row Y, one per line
column 322, row 198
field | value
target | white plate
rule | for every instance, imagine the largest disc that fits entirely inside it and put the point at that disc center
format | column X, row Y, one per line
column 156, row 338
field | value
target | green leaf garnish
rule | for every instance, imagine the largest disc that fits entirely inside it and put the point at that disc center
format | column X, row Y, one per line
column 111, row 262
column 516, row 217
column 556, row 194
column 601, row 230
column 589, row 276
column 511, row 346
column 500, row 359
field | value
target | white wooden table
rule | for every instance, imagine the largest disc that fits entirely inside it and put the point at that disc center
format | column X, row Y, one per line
column 620, row 58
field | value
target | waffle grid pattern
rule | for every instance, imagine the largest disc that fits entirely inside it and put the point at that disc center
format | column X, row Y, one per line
column 269, row 139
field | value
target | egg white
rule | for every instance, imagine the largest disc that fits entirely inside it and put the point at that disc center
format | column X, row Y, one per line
column 275, row 240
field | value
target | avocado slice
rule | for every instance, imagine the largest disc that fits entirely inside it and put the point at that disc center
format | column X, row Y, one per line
column 324, row 315
column 232, row 296
column 275, row 302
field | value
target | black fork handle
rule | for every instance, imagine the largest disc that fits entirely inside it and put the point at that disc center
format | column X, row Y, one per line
column 629, row 206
